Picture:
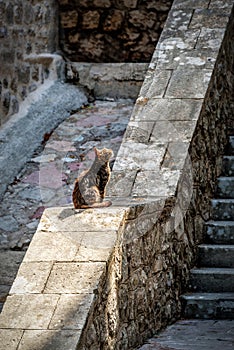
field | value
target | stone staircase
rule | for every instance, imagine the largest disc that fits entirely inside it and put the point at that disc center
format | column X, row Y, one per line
column 212, row 281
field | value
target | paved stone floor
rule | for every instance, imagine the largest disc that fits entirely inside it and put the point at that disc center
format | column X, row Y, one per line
column 194, row 335
column 47, row 179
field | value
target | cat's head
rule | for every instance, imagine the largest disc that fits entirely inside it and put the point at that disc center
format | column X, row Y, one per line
column 103, row 155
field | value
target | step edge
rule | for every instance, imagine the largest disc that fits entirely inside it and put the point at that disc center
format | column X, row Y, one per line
column 220, row 223
column 209, row 270
column 217, row 246
column 208, row 296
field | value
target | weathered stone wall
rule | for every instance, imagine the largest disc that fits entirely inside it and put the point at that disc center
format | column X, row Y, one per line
column 110, row 30
column 26, row 27
column 182, row 118
column 109, row 278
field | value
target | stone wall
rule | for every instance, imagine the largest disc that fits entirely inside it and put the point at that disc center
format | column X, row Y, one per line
column 181, row 121
column 109, row 278
column 26, row 27
column 111, row 31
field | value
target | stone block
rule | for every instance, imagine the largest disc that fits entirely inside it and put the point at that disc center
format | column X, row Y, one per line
column 49, row 340
column 10, row 338
column 91, row 20
column 210, row 18
column 70, row 278
column 142, row 19
column 71, row 312
column 179, row 18
column 159, row 6
column 128, row 3
column 71, row 220
column 121, row 183
column 96, row 246
column 174, row 39
column 155, row 84
column 102, row 3
column 168, row 109
column 28, row 311
column 210, row 39
column 169, row 131
column 69, row 19
column 137, row 156
column 172, row 59
column 156, row 184
column 219, row 4
column 31, row 278
column 187, row 4
column 176, row 153
column 113, row 21
column 139, row 131
column 53, row 246
column 188, row 83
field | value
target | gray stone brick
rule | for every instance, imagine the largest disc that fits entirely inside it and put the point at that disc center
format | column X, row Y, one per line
column 188, row 83
column 168, row 109
column 209, row 18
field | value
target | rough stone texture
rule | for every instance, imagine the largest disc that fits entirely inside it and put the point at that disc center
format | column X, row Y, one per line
column 108, row 80
column 111, row 31
column 26, row 27
column 148, row 262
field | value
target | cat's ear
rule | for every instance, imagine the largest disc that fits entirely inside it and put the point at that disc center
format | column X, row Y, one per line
column 96, row 151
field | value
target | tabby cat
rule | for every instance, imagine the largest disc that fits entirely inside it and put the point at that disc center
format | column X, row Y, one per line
column 90, row 186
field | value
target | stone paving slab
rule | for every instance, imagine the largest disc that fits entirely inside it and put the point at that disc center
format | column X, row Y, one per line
column 182, row 86
column 28, row 311
column 53, row 246
column 66, row 219
column 71, row 311
column 48, row 340
column 10, row 338
column 194, row 335
column 31, row 277
column 167, row 110
column 74, row 277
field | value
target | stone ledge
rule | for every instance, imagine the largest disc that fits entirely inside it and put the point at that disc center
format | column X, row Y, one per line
column 108, row 80
column 123, row 267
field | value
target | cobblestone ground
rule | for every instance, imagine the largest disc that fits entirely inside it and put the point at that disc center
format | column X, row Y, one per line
column 47, row 179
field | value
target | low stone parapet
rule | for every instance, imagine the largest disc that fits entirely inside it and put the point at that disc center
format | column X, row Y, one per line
column 110, row 278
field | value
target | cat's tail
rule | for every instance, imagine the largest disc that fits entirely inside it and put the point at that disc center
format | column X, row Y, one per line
column 96, row 205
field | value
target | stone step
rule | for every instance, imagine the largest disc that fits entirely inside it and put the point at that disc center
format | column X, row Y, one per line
column 222, row 209
column 218, row 306
column 228, row 166
column 219, row 232
column 231, row 145
column 212, row 280
column 213, row 255
column 225, row 187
